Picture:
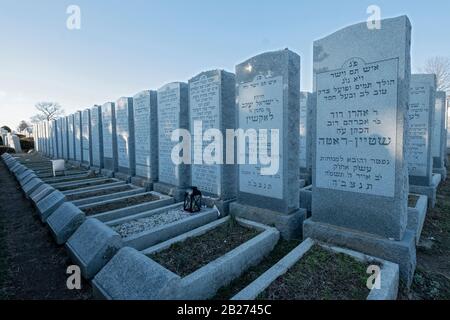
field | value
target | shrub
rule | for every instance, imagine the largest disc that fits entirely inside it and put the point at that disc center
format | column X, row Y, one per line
column 4, row 149
column 26, row 144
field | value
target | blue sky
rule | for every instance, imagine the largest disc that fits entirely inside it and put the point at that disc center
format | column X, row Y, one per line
column 127, row 46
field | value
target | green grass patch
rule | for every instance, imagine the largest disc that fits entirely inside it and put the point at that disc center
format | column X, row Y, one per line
column 321, row 275
column 185, row 257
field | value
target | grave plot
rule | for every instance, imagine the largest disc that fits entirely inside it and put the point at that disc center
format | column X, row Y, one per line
column 84, row 184
column 181, row 259
column 113, row 183
column 99, row 192
column 79, row 176
column 107, row 194
column 417, row 211
column 314, row 271
column 174, row 269
column 145, row 229
column 108, row 210
column 95, row 242
column 139, row 225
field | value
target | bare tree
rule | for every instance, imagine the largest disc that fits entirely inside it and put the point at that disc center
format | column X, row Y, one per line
column 440, row 66
column 47, row 111
column 23, row 125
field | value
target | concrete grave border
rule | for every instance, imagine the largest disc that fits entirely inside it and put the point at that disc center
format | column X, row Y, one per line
column 389, row 273
column 49, row 204
column 31, row 186
column 114, row 183
column 118, row 276
column 92, row 245
column 40, row 193
column 164, row 232
column 417, row 215
column 88, row 244
column 78, row 182
column 65, row 221
column 133, row 191
column 123, row 212
column 204, row 282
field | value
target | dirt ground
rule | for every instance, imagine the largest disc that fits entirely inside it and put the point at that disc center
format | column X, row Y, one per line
column 432, row 277
column 32, row 266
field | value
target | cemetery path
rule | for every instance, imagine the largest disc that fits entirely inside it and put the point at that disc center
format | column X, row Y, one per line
column 32, row 266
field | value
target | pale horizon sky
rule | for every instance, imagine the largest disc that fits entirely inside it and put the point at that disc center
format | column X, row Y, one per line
column 124, row 47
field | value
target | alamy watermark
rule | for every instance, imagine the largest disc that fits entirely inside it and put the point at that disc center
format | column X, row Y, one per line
column 74, row 280
column 374, row 280
column 374, row 19
column 254, row 147
column 73, row 21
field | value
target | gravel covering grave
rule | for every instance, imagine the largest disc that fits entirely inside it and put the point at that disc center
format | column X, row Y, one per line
column 140, row 225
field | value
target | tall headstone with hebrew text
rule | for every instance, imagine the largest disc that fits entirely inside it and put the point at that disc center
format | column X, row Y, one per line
column 97, row 137
column 86, row 137
column 125, row 137
column 78, row 132
column 211, row 106
column 360, row 169
column 422, row 97
column 173, row 114
column 268, row 104
column 145, row 137
column 438, row 140
column 109, row 137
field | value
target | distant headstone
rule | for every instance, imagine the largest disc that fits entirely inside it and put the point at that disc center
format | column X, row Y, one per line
column 44, row 137
column 360, row 171
column 420, row 114
column 173, row 114
column 15, row 143
column 146, row 135
column 306, row 109
column 125, row 136
column 64, row 138
column 71, row 136
column 86, row 137
column 97, row 136
column 59, row 135
column 77, row 124
column 439, row 136
column 211, row 97
column 109, row 137
column 268, row 99
column 53, row 139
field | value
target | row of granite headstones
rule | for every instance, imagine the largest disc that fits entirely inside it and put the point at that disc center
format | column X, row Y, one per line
column 120, row 267
column 11, row 140
column 365, row 140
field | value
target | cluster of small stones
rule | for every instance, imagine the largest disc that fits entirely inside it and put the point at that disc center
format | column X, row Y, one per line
column 140, row 225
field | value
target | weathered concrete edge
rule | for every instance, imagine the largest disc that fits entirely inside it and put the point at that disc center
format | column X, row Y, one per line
column 390, row 273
